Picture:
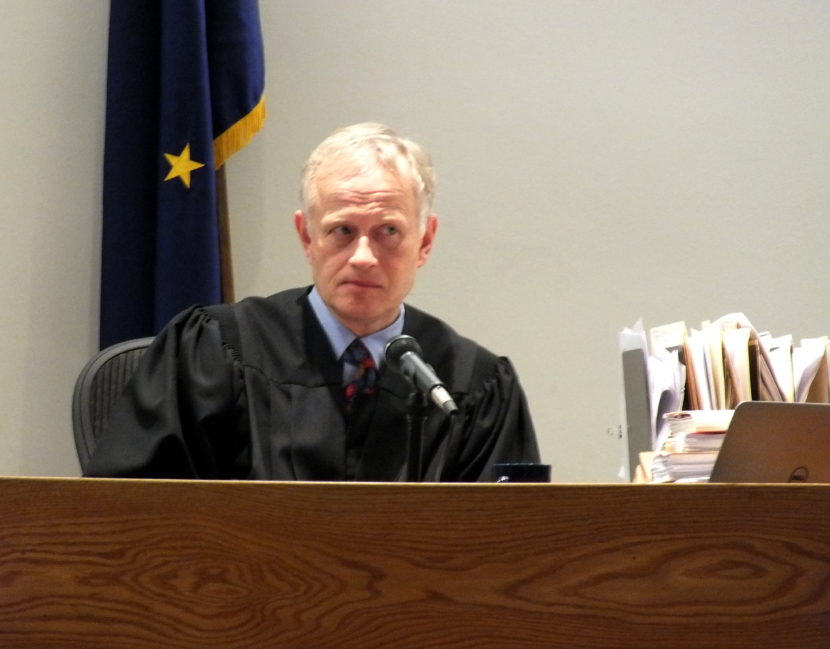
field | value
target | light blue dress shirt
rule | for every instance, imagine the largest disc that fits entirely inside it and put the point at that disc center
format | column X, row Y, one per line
column 340, row 336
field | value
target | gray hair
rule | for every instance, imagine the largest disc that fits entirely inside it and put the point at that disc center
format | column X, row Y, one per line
column 370, row 145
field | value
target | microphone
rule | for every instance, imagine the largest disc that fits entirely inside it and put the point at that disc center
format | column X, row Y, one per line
column 403, row 354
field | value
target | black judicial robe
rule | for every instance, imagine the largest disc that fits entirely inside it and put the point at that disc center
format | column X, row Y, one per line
column 262, row 399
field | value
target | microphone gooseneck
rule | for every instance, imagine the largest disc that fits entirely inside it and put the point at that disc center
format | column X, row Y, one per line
column 403, row 354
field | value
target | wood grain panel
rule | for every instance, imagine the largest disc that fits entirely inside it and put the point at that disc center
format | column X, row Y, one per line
column 122, row 564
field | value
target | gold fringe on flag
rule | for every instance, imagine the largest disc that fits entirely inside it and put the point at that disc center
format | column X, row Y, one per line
column 239, row 134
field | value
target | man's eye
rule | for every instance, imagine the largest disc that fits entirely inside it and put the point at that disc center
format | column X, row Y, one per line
column 388, row 236
column 341, row 231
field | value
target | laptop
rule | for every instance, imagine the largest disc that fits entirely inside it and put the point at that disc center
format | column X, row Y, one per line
column 770, row 441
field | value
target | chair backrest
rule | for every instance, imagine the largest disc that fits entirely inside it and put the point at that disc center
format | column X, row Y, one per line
column 96, row 389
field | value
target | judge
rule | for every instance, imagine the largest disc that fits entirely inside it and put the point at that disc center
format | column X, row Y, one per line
column 294, row 386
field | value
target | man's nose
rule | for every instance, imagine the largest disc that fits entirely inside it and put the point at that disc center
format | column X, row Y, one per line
column 363, row 255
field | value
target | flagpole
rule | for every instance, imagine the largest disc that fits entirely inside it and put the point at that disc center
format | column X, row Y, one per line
column 223, row 222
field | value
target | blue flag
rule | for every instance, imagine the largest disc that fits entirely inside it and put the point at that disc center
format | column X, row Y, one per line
column 185, row 83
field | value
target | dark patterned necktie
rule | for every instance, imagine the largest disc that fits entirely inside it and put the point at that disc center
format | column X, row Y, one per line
column 366, row 375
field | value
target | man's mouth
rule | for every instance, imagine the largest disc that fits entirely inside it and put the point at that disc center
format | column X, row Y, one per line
column 360, row 283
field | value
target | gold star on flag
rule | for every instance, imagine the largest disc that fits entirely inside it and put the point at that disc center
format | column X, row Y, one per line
column 181, row 165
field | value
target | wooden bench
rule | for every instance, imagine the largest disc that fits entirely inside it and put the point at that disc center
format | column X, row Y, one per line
column 123, row 564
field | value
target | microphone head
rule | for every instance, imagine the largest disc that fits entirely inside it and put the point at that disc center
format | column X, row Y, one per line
column 397, row 347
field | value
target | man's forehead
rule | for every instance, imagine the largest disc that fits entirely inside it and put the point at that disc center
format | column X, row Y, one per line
column 350, row 182
column 342, row 170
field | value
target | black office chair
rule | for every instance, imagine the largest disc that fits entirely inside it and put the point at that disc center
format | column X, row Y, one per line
column 96, row 389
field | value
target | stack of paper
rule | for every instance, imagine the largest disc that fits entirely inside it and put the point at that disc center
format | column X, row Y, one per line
column 728, row 361
column 714, row 368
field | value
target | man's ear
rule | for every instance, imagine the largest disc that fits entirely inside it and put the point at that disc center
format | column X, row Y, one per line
column 427, row 239
column 301, row 225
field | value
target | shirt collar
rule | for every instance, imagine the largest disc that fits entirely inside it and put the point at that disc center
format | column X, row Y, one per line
column 340, row 336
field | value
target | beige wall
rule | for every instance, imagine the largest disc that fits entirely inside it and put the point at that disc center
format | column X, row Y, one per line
column 52, row 66
column 598, row 161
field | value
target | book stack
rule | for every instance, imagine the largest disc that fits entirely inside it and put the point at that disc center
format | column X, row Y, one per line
column 691, row 447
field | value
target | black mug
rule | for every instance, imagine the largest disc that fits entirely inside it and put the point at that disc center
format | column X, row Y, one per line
column 521, row 472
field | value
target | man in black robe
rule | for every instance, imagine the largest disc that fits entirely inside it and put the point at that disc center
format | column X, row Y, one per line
column 255, row 390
